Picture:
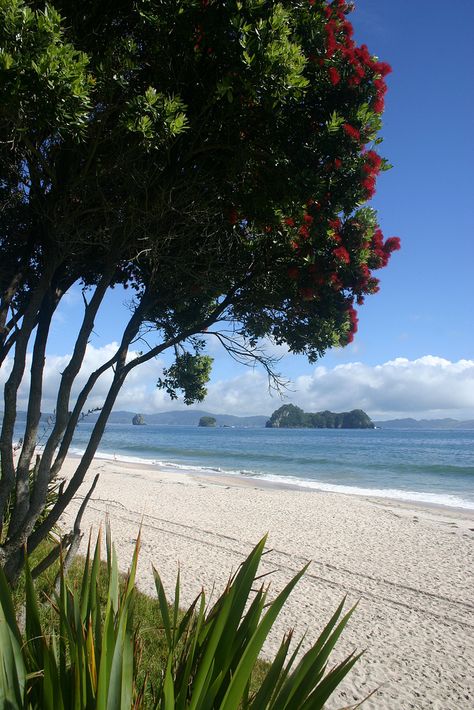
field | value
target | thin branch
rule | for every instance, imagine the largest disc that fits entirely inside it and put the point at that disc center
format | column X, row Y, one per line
column 249, row 356
column 76, row 535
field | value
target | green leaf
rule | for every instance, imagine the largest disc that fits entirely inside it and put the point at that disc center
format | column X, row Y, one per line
column 168, row 688
column 12, row 667
column 163, row 602
column 273, row 675
column 6, row 60
column 249, row 656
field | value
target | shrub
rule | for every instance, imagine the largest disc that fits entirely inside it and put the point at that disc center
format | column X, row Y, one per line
column 89, row 657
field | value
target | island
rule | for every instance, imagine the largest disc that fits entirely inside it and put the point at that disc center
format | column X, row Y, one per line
column 138, row 420
column 291, row 417
column 207, row 421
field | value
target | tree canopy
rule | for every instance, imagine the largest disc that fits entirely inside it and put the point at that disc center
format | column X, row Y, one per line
column 213, row 157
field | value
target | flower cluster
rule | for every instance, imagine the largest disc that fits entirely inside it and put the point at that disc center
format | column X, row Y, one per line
column 329, row 251
column 381, row 250
column 342, row 254
column 351, row 131
column 353, row 323
column 370, row 170
column 358, row 63
column 334, row 76
column 332, row 255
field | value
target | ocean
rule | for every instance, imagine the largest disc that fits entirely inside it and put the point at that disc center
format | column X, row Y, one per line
column 434, row 467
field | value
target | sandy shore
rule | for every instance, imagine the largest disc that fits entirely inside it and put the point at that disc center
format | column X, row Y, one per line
column 411, row 568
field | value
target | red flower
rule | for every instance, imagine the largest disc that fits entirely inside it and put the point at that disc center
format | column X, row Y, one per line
column 381, row 86
column 360, row 300
column 336, row 282
column 342, row 254
column 374, row 162
column 303, row 231
column 308, row 219
column 337, row 163
column 363, row 55
column 352, row 313
column 373, row 285
column 351, row 131
column 307, row 293
column 369, row 184
column 289, row 221
column 331, row 44
column 383, row 68
column 354, row 80
column 392, row 244
column 334, row 76
column 335, row 223
column 377, row 247
column 347, row 28
column 379, row 105
column 233, row 215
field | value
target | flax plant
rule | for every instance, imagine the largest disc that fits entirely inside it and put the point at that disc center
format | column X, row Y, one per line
column 88, row 657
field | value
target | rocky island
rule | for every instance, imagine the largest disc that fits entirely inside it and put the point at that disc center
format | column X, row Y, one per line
column 291, row 417
column 207, row 421
column 138, row 420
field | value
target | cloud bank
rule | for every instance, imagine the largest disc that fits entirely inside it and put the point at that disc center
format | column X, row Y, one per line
column 428, row 387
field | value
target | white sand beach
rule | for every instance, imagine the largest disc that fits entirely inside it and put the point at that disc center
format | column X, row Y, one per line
column 410, row 568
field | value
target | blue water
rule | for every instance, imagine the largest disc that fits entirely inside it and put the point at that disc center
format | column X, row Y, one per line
column 425, row 466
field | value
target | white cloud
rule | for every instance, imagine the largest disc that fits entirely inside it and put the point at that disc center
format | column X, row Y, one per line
column 428, row 387
column 139, row 387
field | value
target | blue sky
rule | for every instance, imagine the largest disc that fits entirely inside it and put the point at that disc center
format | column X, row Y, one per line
column 424, row 308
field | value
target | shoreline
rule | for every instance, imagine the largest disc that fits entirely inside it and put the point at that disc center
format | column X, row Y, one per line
column 242, row 480
column 409, row 567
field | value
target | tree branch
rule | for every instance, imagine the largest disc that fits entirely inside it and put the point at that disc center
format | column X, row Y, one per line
column 7, row 481
column 248, row 356
column 33, row 416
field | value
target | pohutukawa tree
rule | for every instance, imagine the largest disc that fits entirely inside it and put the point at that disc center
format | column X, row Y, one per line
column 214, row 156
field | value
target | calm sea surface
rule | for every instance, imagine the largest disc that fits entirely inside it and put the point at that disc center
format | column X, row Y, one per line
column 425, row 466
